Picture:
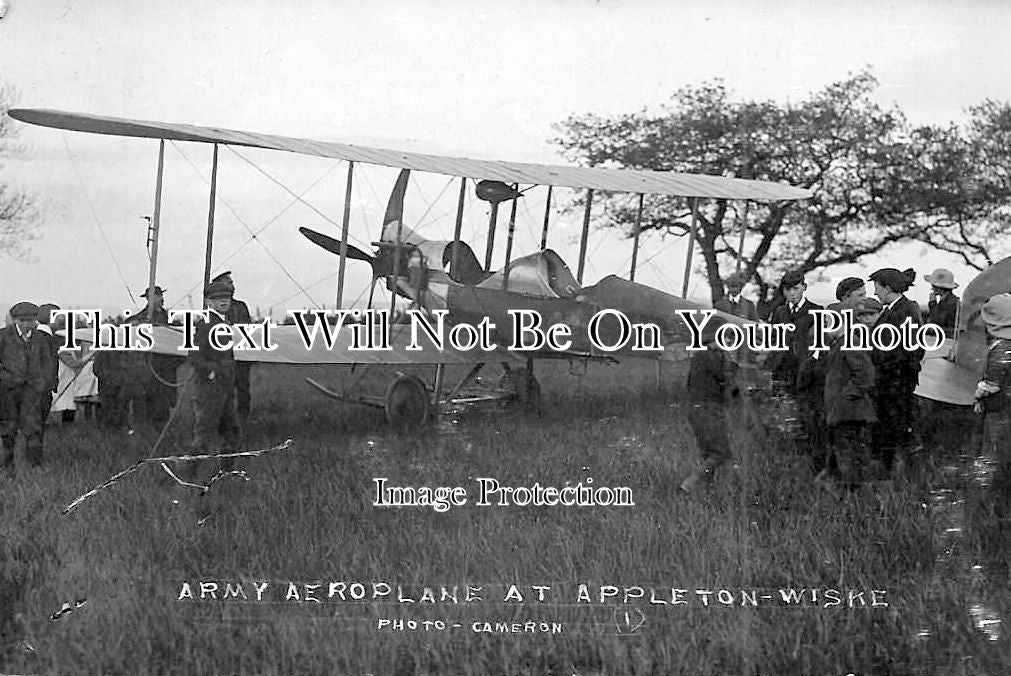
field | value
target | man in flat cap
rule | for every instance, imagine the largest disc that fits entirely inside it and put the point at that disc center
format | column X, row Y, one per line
column 26, row 377
column 943, row 306
column 238, row 313
column 214, row 380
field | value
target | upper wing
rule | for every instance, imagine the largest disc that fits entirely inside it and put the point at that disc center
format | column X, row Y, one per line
column 619, row 180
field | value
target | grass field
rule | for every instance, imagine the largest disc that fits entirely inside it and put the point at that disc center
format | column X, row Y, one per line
column 306, row 516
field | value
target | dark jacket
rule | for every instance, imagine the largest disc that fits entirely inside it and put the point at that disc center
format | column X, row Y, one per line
column 711, row 376
column 205, row 359
column 742, row 308
column 238, row 313
column 943, row 313
column 783, row 364
column 160, row 316
column 849, row 385
column 31, row 361
column 998, row 372
column 895, row 363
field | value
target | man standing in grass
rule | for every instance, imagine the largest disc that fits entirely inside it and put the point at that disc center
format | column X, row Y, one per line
column 27, row 376
column 711, row 383
column 214, row 379
column 238, row 313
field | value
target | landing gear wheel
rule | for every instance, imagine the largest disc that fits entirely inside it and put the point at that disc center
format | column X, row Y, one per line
column 407, row 403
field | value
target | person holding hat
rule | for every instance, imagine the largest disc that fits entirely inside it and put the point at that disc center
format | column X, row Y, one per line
column 238, row 313
column 795, row 310
column 897, row 371
column 27, row 375
column 943, row 306
column 711, row 383
column 214, row 379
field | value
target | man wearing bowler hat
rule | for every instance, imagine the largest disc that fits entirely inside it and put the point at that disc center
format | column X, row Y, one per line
column 26, row 377
column 214, row 379
column 943, row 306
column 156, row 372
column 238, row 313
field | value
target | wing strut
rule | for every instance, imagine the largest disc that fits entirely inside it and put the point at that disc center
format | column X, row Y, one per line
column 691, row 246
column 586, row 235
column 547, row 219
column 492, row 220
column 345, row 223
column 509, row 241
column 155, row 226
column 635, row 241
column 458, row 228
column 210, row 217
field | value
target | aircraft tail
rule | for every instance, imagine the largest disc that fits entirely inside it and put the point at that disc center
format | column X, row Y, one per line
column 393, row 221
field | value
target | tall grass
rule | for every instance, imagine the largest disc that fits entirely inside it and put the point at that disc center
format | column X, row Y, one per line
column 306, row 516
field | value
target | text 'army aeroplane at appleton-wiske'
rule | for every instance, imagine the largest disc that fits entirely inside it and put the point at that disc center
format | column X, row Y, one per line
column 446, row 275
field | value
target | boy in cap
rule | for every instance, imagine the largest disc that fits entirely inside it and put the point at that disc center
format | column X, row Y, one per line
column 847, row 293
column 942, row 309
column 214, row 379
column 238, row 313
column 797, row 311
column 711, row 383
column 849, row 400
column 733, row 302
column 152, row 374
column 27, row 371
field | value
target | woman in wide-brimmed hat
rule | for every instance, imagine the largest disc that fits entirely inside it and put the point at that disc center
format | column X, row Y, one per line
column 943, row 307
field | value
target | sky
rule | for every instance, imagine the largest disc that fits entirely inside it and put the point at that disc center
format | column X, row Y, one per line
column 469, row 78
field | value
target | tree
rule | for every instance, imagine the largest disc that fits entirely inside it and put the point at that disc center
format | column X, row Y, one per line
column 969, row 185
column 855, row 156
column 18, row 215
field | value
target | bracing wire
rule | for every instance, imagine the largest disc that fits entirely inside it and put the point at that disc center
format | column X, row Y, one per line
column 253, row 236
column 98, row 222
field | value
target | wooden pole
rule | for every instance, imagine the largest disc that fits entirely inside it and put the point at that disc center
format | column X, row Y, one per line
column 586, row 235
column 691, row 246
column 345, row 225
column 155, row 224
column 509, row 240
column 547, row 219
column 210, row 217
column 635, row 240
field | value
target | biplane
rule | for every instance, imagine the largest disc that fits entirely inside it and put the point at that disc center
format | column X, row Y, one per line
column 447, row 275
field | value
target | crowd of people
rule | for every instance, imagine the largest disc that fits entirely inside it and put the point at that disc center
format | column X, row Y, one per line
column 121, row 389
column 856, row 408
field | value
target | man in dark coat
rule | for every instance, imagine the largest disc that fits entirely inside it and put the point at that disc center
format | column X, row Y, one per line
column 26, row 377
column 711, row 386
column 849, row 400
column 797, row 311
column 238, row 313
column 214, row 380
column 155, row 379
column 943, row 306
column 897, row 371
